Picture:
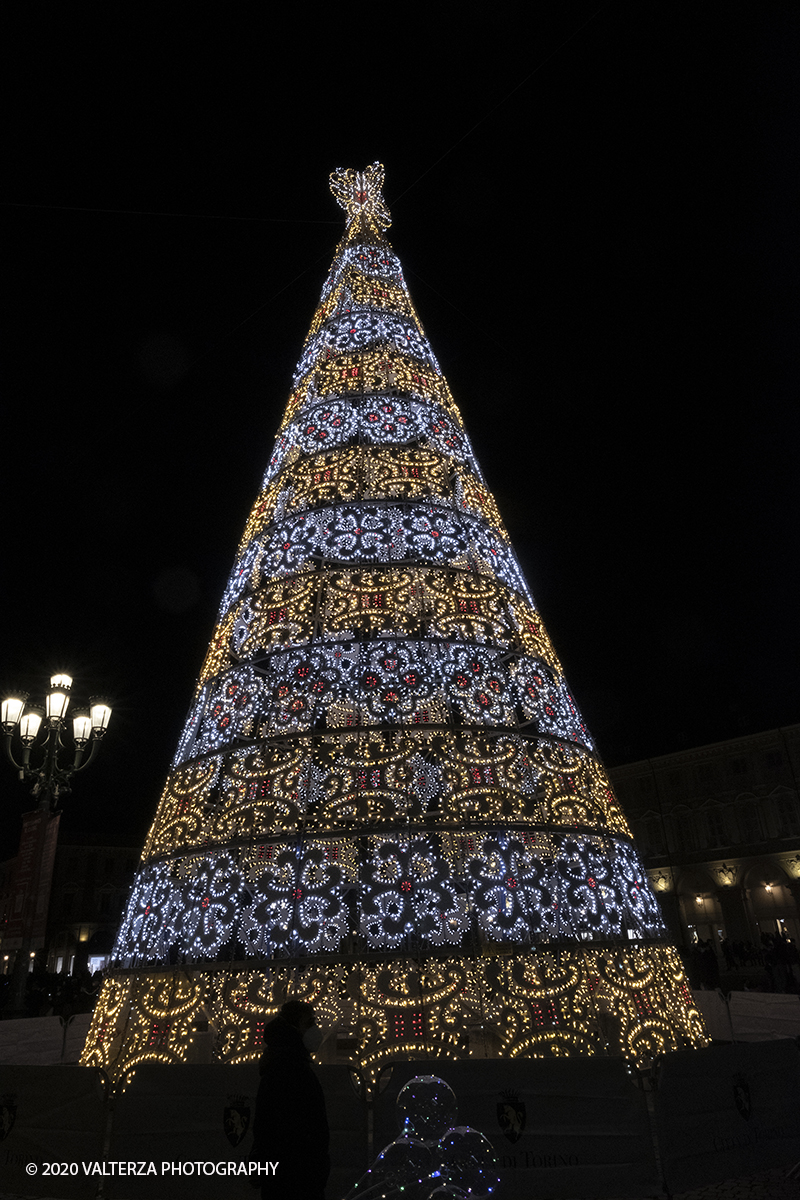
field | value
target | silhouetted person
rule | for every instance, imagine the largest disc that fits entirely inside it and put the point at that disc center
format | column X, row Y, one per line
column 291, row 1125
column 709, row 966
column 696, row 965
column 769, row 958
column 784, row 961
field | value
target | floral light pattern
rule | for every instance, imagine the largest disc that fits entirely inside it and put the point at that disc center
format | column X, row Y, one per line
column 385, row 799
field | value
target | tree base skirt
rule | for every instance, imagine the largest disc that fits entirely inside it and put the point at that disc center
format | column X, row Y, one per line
column 541, row 1002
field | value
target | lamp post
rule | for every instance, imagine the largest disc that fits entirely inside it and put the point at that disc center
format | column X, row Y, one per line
column 51, row 762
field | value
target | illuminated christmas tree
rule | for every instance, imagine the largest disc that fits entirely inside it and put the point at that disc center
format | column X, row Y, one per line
column 385, row 800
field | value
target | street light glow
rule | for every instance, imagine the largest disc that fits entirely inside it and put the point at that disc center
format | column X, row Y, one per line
column 101, row 715
column 29, row 725
column 81, row 727
column 11, row 710
column 58, row 697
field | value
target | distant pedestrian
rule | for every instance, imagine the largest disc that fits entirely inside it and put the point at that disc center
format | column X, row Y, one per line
column 730, row 960
column 709, row 965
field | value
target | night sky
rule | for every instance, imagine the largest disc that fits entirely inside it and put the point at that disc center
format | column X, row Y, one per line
column 596, row 210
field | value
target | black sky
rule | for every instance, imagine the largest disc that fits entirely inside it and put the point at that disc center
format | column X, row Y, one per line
column 596, row 209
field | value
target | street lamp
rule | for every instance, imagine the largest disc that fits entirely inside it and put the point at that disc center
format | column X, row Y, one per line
column 52, row 774
column 50, row 761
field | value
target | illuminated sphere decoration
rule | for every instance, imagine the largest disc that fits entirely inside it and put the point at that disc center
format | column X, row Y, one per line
column 433, row 1156
column 403, row 1168
column 426, row 1108
column 385, row 800
column 468, row 1162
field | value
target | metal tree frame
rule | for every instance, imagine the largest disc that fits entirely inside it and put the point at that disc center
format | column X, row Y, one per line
column 385, row 800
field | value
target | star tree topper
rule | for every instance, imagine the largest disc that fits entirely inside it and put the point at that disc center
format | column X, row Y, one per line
column 359, row 194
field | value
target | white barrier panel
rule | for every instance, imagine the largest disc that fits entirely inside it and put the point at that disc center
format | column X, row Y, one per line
column 347, row 1118
column 177, row 1114
column 713, row 1008
column 31, row 1041
column 761, row 1016
column 563, row 1127
column 727, row 1111
column 50, row 1115
column 187, row 1114
column 77, row 1029
column 41, row 1041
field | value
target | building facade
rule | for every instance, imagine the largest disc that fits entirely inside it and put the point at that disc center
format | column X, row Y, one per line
column 719, row 830
column 89, row 888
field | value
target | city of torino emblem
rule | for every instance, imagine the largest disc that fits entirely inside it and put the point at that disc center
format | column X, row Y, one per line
column 511, row 1115
column 8, row 1111
column 236, row 1118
